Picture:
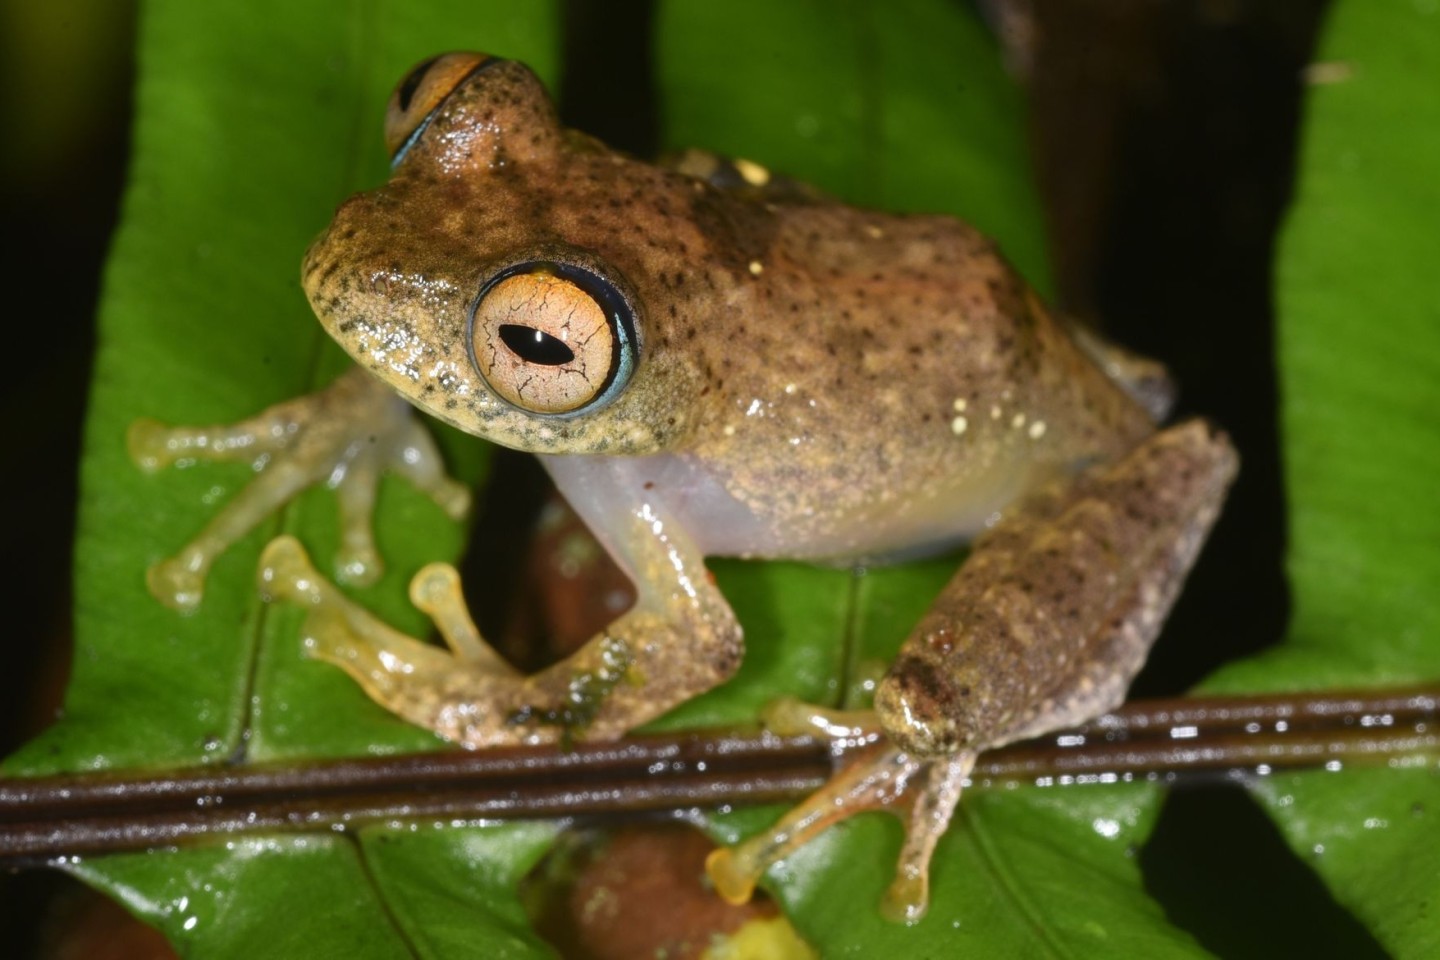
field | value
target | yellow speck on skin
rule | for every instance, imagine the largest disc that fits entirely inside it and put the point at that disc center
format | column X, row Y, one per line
column 1037, row 429
column 756, row 268
column 1019, row 421
column 729, row 430
column 875, row 232
column 995, row 413
column 960, row 404
column 770, row 939
column 958, row 425
column 789, row 388
column 752, row 172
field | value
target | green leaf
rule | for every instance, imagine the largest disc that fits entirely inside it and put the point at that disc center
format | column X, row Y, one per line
column 253, row 121
column 251, row 127
column 1359, row 301
column 300, row 896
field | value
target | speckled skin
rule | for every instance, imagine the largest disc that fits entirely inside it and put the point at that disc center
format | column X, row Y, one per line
column 810, row 380
column 808, row 356
column 813, row 380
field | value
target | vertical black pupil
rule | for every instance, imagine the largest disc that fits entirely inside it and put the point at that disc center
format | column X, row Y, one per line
column 535, row 346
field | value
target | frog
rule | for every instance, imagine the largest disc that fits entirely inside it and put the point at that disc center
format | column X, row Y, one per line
column 710, row 359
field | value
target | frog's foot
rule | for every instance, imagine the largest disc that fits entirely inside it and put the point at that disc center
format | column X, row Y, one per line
column 878, row 778
column 469, row 695
column 344, row 436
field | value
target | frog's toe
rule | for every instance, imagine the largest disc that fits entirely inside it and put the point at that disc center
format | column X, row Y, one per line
column 177, row 582
column 468, row 696
column 792, row 717
column 358, row 566
column 452, row 496
column 146, row 442
column 879, row 779
column 417, row 459
column 345, row 436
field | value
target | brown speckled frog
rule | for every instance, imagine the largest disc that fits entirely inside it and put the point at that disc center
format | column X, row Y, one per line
column 710, row 361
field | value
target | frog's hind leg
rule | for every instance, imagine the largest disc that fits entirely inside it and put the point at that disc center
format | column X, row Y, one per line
column 1043, row 626
column 344, row 436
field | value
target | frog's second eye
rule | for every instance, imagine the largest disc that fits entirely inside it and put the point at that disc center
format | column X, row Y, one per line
column 553, row 338
column 424, row 88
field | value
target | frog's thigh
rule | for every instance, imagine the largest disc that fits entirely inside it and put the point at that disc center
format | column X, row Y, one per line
column 1051, row 617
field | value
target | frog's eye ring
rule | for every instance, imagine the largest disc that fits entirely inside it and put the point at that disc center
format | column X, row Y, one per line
column 417, row 97
column 553, row 338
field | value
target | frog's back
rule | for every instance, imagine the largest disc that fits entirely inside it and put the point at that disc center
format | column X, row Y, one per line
column 877, row 384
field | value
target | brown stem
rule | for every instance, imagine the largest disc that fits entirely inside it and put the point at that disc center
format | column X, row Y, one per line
column 77, row 814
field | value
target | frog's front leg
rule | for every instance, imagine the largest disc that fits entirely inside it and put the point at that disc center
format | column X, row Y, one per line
column 677, row 641
column 1044, row 626
column 345, row 436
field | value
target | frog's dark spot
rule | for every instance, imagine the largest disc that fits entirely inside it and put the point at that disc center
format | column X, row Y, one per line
column 451, row 404
column 921, row 679
column 427, row 389
column 726, row 661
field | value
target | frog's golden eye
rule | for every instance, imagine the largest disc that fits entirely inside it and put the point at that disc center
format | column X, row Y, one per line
column 424, row 88
column 553, row 338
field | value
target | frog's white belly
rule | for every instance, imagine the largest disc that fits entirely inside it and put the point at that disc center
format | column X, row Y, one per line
column 607, row 491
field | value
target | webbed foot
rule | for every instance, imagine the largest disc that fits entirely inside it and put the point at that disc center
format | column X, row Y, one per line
column 344, row 436
column 469, row 694
column 880, row 776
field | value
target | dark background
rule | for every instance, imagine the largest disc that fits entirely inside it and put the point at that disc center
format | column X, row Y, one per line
column 1164, row 139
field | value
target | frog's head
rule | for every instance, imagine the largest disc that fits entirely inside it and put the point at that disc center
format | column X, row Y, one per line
column 466, row 284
